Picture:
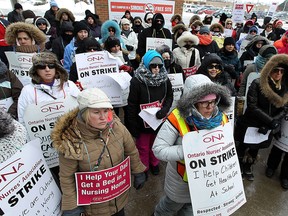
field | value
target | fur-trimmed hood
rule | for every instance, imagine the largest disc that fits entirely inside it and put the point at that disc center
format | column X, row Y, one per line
column 64, row 10
column 165, row 48
column 179, row 26
column 187, row 36
column 176, row 16
column 33, row 31
column 274, row 98
column 217, row 25
column 104, row 29
column 255, row 39
column 6, row 124
column 198, row 86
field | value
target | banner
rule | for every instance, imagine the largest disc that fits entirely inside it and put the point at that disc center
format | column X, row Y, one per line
column 5, row 104
column 27, row 186
column 20, row 64
column 238, row 13
column 214, row 176
column 282, row 142
column 153, row 43
column 176, row 80
column 39, row 121
column 104, row 185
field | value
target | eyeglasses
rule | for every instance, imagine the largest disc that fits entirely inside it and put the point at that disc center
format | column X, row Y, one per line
column 111, row 30
column 216, row 66
column 156, row 65
column 205, row 104
column 43, row 66
column 278, row 69
column 229, row 23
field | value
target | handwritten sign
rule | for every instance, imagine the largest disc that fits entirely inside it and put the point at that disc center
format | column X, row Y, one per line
column 39, row 121
column 212, row 164
column 238, row 13
column 20, row 64
column 27, row 186
column 282, row 142
column 5, row 104
column 102, row 186
column 153, row 43
column 231, row 112
column 176, row 80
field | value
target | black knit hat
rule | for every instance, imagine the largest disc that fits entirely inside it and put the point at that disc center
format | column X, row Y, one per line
column 18, row 6
column 67, row 26
column 229, row 41
column 78, row 26
column 111, row 42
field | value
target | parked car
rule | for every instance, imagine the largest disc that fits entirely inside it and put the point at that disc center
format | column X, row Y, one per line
column 218, row 13
column 206, row 11
column 189, row 7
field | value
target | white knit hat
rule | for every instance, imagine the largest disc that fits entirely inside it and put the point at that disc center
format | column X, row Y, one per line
column 125, row 21
column 93, row 98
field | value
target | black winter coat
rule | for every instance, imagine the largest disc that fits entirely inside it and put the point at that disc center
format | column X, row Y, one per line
column 140, row 93
column 204, row 49
column 50, row 16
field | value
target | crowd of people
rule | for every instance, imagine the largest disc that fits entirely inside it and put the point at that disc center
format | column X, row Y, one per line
column 214, row 60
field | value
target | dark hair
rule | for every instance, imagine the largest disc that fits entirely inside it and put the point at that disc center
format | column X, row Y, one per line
column 88, row 43
column 111, row 42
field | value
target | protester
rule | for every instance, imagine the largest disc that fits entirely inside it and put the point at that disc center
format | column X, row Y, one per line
column 207, row 19
column 149, row 86
column 244, row 29
column 254, row 19
column 63, row 14
column 128, row 16
column 201, row 106
column 16, row 14
column 50, row 14
column 268, row 32
column 195, row 27
column 94, row 23
column 278, row 29
column 229, row 25
column 177, row 31
column 253, row 31
column 266, row 99
column 148, row 17
column 11, row 88
column 193, row 19
column 282, row 44
column 176, row 19
column 90, row 139
column 137, row 25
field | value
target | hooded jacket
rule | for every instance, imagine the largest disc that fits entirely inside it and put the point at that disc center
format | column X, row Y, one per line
column 58, row 18
column 48, row 24
column 265, row 103
column 80, row 146
column 36, row 34
column 168, row 143
column 155, row 31
column 282, row 44
column 10, row 87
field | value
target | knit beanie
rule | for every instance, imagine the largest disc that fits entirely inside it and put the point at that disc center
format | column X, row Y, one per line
column 124, row 21
column 156, row 60
column 93, row 98
column 66, row 26
column 267, row 51
column 18, row 6
column 229, row 41
column 53, row 3
column 253, row 28
column 279, row 22
column 78, row 26
column 204, row 29
column 149, row 55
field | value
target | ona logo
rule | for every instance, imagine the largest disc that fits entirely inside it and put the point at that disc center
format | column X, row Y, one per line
column 95, row 58
column 24, row 58
column 214, row 138
column 10, row 172
column 52, row 107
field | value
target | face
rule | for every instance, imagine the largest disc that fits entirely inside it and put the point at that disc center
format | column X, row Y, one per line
column 42, row 25
column 111, row 31
column 269, row 28
column 259, row 44
column 229, row 25
column 149, row 20
column 206, row 108
column 127, row 15
column 24, row 39
column 126, row 27
column 155, row 68
column 166, row 56
column 90, row 20
column 65, row 16
column 229, row 47
column 46, row 72
column 54, row 8
column 176, row 20
column 137, row 22
column 253, row 32
column 98, row 117
column 82, row 34
column 213, row 69
column 115, row 49
column 277, row 73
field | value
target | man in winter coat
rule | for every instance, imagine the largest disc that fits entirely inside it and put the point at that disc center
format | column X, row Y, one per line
column 157, row 30
column 51, row 13
column 16, row 14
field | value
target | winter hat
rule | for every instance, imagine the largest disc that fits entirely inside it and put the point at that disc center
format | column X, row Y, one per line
column 47, row 58
column 279, row 22
column 124, row 21
column 253, row 28
column 187, row 36
column 253, row 16
column 18, row 6
column 229, row 41
column 204, row 29
column 78, row 26
column 147, row 58
column 111, row 42
column 28, row 14
column 149, row 16
column 156, row 60
column 208, row 97
column 249, row 22
column 53, row 3
column 93, row 98
column 66, row 26
column 267, row 51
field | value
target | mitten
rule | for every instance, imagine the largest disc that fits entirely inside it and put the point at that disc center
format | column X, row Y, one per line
column 160, row 114
column 79, row 85
column 263, row 130
column 129, row 48
column 139, row 180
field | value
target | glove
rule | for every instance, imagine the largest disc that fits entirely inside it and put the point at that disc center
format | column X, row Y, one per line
column 274, row 124
column 277, row 135
column 79, row 85
column 139, row 180
column 231, row 70
column 126, row 68
column 74, row 212
column 129, row 48
column 263, row 130
column 160, row 114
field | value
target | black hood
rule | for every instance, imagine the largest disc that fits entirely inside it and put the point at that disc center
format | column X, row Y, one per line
column 155, row 24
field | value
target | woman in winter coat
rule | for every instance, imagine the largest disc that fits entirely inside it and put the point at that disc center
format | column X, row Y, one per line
column 268, row 32
column 137, row 25
column 266, row 99
column 177, row 31
column 201, row 106
column 206, row 43
column 13, row 136
column 63, row 14
column 229, row 25
column 94, row 24
column 150, row 87
column 90, row 138
column 212, row 66
column 282, row 44
column 10, row 90
column 186, row 55
column 148, row 18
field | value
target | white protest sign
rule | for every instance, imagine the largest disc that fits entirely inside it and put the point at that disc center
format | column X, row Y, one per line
column 153, row 43
column 177, row 83
column 242, row 49
column 228, row 32
column 252, row 76
column 282, row 142
column 20, row 64
column 238, row 13
column 5, row 104
column 252, row 136
column 39, row 121
column 272, row 9
column 149, row 116
column 212, row 164
column 27, row 186
column 231, row 112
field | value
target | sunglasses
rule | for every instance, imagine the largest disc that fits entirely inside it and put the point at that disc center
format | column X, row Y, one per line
column 149, row 19
column 41, row 23
column 278, row 69
column 216, row 66
column 137, row 22
column 159, row 21
column 156, row 65
column 205, row 104
column 229, row 23
column 43, row 66
column 111, row 30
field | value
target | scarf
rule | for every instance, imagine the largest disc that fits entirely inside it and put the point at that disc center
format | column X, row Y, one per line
column 204, row 39
column 203, row 123
column 119, row 54
column 145, row 75
column 30, row 49
column 260, row 62
column 126, row 32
